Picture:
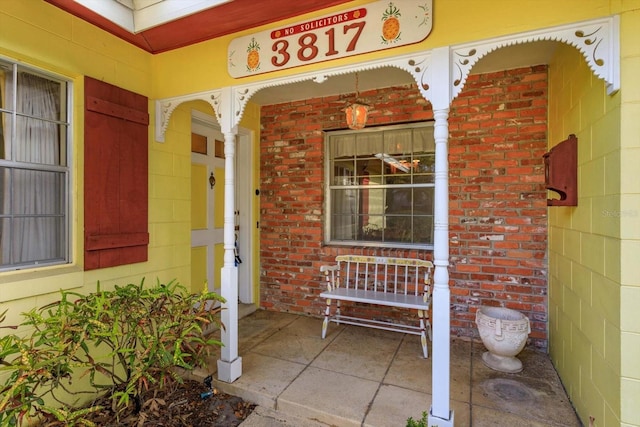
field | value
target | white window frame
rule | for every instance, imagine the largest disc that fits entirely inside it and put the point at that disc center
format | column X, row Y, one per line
column 329, row 186
column 8, row 108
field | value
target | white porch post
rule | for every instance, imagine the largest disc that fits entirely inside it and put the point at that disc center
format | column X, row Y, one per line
column 229, row 364
column 440, row 414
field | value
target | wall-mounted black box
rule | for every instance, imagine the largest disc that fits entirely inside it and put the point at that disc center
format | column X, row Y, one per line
column 561, row 172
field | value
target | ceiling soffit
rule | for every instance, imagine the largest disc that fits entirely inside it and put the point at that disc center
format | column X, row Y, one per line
column 139, row 15
column 218, row 18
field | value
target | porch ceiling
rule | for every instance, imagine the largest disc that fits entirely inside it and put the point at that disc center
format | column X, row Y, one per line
column 162, row 25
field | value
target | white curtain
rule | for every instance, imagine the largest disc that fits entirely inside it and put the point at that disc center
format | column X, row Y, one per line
column 397, row 142
column 34, row 197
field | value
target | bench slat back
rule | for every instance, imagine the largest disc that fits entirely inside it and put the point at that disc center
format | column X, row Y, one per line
column 384, row 274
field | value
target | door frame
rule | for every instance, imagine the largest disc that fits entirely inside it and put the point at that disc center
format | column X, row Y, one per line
column 245, row 203
column 244, row 206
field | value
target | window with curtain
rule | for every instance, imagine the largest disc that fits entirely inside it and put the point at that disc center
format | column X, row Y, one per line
column 380, row 186
column 34, row 172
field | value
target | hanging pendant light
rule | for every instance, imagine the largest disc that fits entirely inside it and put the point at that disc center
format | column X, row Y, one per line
column 357, row 112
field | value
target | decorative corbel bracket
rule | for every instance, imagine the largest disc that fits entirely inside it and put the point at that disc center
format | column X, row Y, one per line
column 598, row 40
column 165, row 107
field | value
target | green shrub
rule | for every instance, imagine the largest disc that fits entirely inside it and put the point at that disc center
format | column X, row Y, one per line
column 124, row 340
column 420, row 423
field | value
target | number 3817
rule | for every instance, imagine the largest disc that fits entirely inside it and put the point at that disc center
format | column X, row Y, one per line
column 308, row 50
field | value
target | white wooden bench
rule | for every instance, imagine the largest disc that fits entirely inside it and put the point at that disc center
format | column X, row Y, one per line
column 393, row 282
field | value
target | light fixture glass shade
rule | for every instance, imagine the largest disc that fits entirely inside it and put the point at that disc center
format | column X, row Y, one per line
column 357, row 115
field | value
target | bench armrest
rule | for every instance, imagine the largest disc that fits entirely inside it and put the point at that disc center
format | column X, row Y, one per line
column 332, row 276
column 327, row 268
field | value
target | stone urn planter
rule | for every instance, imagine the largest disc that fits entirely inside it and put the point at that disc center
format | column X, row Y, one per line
column 504, row 333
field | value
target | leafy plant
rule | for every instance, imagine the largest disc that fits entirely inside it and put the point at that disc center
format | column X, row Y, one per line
column 419, row 423
column 124, row 340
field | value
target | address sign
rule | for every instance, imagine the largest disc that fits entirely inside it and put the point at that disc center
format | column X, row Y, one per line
column 371, row 27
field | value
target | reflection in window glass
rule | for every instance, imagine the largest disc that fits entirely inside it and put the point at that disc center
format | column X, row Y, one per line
column 381, row 186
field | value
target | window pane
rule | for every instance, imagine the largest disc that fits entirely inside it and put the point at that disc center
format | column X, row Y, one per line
column 423, row 141
column 37, row 141
column 344, row 218
column 344, row 227
column 398, row 229
column 371, row 201
column 343, row 172
column 373, row 180
column 423, row 229
column 363, row 166
column 38, row 97
column 387, row 170
column 373, row 228
column 5, row 135
column 34, row 229
column 424, row 164
column 393, row 165
column 399, row 200
column 5, row 238
column 357, row 212
column 34, row 240
column 423, row 179
column 5, row 193
column 423, row 201
column 37, row 193
column 5, row 69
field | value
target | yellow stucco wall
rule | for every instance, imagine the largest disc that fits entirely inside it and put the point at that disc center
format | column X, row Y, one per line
column 38, row 34
column 630, row 216
column 41, row 35
column 44, row 36
column 584, row 291
column 594, row 283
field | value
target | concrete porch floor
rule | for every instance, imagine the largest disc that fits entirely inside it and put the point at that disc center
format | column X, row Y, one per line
column 363, row 377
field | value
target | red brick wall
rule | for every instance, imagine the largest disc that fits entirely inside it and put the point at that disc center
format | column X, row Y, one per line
column 498, row 213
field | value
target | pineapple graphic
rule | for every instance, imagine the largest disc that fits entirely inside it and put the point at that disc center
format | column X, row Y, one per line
column 390, row 24
column 253, row 55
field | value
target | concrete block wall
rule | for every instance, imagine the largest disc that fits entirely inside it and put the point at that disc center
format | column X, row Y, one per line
column 594, row 327
column 584, row 254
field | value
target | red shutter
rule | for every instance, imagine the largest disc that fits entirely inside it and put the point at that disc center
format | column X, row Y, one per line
column 115, row 176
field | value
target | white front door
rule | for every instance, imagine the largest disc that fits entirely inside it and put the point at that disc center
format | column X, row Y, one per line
column 207, row 201
column 207, row 207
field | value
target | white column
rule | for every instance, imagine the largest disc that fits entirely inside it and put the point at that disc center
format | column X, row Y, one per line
column 439, row 77
column 440, row 414
column 229, row 364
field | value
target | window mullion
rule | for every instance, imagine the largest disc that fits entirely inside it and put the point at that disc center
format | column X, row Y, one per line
column 382, row 213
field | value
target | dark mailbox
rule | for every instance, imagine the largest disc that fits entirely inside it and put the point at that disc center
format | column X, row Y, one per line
column 561, row 172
